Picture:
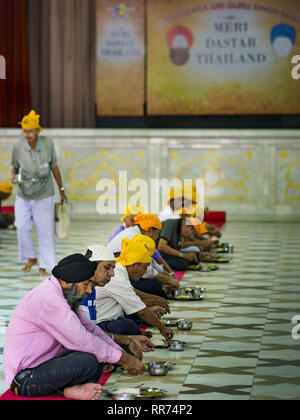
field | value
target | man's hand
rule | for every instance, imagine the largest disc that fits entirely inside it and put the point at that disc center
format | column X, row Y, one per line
column 131, row 364
column 173, row 282
column 153, row 300
column 135, row 349
column 205, row 245
column 214, row 230
column 144, row 343
column 167, row 333
column 63, row 197
column 157, row 310
column 206, row 256
column 190, row 256
column 108, row 368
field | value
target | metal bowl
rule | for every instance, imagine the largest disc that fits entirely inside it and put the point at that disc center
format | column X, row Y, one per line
column 169, row 322
column 184, row 324
column 157, row 370
column 123, row 396
column 176, row 346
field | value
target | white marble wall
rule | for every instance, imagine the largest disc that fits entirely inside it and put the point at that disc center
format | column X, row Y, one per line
column 251, row 174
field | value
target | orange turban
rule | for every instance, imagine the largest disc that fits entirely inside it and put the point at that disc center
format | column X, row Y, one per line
column 133, row 252
column 31, row 121
column 147, row 221
column 199, row 227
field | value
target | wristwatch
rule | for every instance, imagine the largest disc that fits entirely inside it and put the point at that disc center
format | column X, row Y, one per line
column 62, row 189
column 180, row 254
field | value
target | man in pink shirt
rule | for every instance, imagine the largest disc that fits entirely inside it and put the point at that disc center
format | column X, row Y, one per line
column 51, row 346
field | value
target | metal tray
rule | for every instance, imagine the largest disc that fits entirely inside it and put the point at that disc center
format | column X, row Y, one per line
column 191, row 289
column 213, row 266
column 217, row 260
column 170, row 322
column 159, row 392
column 200, row 267
column 163, row 345
column 189, row 297
column 167, row 363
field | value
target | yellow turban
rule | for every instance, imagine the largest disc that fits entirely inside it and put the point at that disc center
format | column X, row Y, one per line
column 187, row 191
column 129, row 210
column 190, row 193
column 133, row 252
column 148, row 242
column 147, row 221
column 5, row 187
column 199, row 227
column 31, row 121
column 174, row 193
column 192, row 210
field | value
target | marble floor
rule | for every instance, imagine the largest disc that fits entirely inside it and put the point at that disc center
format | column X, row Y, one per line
column 241, row 345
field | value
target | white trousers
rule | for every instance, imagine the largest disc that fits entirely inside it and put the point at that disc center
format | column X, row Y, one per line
column 40, row 213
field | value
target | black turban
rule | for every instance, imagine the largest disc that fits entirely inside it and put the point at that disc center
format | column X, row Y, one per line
column 75, row 268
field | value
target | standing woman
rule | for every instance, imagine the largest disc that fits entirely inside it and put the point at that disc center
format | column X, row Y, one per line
column 34, row 158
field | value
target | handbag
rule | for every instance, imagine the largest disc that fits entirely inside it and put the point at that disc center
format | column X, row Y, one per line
column 62, row 221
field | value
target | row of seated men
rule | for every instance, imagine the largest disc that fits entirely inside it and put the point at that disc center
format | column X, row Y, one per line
column 179, row 236
column 51, row 344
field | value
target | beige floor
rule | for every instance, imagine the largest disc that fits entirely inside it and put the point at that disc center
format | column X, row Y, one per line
column 241, row 344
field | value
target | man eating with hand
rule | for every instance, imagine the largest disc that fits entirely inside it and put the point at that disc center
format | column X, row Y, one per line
column 51, row 346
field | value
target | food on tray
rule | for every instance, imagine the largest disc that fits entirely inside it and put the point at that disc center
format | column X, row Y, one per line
column 151, row 392
column 158, row 341
column 131, row 391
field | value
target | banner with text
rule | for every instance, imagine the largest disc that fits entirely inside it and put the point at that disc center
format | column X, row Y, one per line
column 120, row 58
column 211, row 57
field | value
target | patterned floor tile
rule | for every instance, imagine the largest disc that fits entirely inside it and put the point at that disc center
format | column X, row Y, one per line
column 241, row 344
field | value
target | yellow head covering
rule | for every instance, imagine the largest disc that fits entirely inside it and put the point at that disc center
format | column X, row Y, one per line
column 31, row 121
column 5, row 187
column 129, row 210
column 192, row 210
column 147, row 221
column 133, row 252
column 199, row 227
column 187, row 191
column 148, row 243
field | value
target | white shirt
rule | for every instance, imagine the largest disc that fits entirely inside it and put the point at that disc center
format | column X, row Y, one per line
column 115, row 245
column 167, row 213
column 117, row 297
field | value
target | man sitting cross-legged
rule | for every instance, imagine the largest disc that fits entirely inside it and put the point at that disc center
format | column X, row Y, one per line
column 119, row 297
column 135, row 344
column 51, row 346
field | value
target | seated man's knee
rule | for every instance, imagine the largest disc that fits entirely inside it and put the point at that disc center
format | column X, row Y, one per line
column 92, row 367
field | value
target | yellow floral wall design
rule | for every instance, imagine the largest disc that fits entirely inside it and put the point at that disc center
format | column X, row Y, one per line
column 86, row 174
column 224, row 178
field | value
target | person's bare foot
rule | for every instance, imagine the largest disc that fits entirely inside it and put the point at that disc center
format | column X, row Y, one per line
column 43, row 273
column 28, row 266
column 83, row 392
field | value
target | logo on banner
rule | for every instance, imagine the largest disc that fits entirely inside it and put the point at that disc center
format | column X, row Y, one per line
column 121, row 11
column 2, row 68
column 180, row 39
column 283, row 37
